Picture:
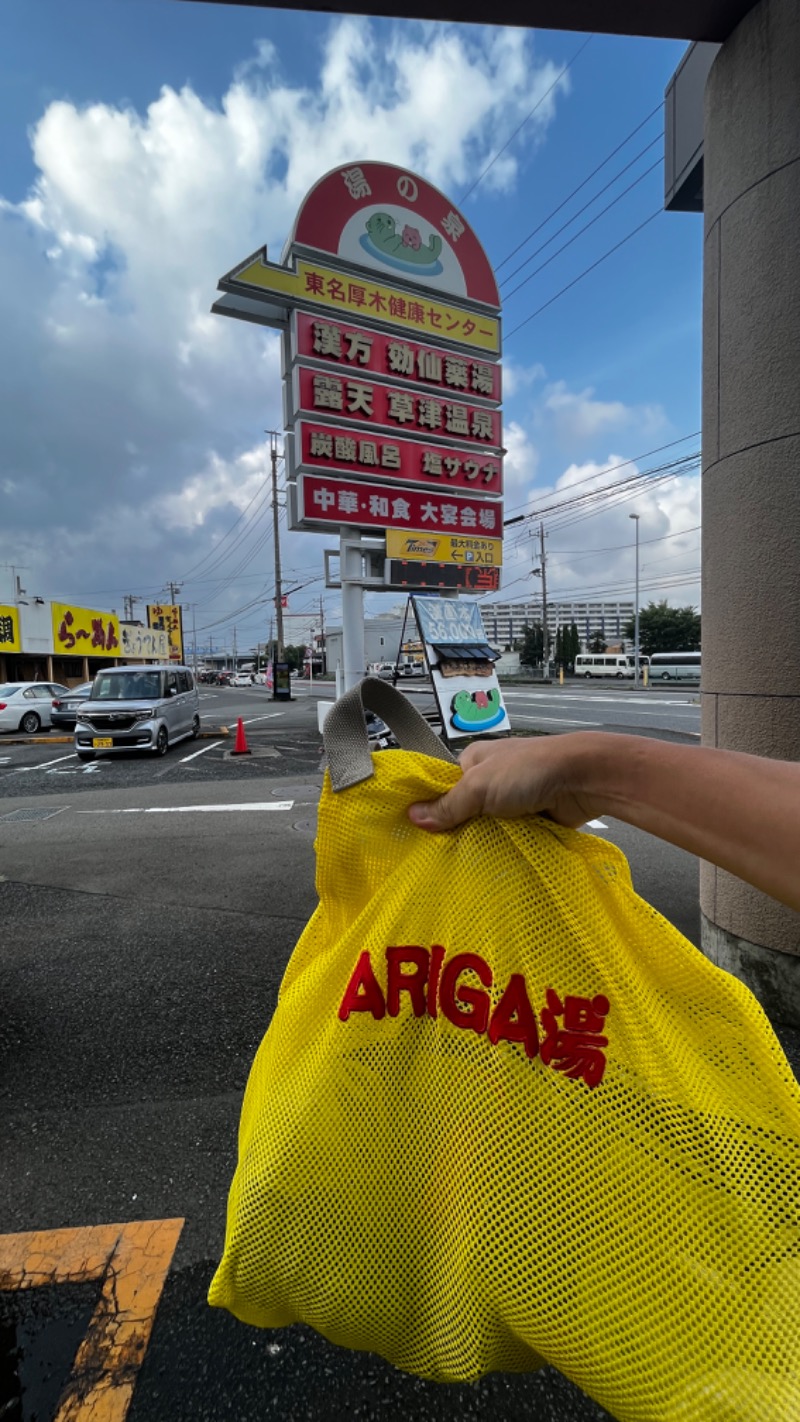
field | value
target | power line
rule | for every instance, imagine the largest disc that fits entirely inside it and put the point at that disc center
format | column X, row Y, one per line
column 616, row 547
column 581, row 230
column 584, row 273
column 520, row 126
column 237, row 521
column 668, row 470
column 595, row 592
column 612, row 468
column 580, row 186
column 586, row 206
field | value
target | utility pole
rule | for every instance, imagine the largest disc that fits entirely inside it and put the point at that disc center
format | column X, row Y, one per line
column 545, row 631
column 636, row 608
column 322, row 634
column 130, row 599
column 235, row 655
column 273, row 441
column 173, row 589
column 194, row 641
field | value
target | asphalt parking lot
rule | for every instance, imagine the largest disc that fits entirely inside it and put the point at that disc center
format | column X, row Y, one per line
column 282, row 740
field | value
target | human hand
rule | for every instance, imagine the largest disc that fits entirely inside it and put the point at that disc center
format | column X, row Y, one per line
column 517, row 777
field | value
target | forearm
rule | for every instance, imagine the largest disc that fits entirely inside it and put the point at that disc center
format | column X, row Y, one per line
column 737, row 811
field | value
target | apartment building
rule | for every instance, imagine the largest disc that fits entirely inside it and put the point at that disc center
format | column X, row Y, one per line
column 505, row 622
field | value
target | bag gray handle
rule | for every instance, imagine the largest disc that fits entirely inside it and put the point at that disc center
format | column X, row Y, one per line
column 345, row 736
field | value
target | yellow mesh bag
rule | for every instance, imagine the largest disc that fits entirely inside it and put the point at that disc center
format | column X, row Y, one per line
column 506, row 1114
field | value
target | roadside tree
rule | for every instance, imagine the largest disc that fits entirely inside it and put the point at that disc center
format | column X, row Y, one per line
column 665, row 629
column 532, row 646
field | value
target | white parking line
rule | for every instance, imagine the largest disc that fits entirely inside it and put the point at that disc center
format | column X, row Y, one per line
column 192, row 809
column 195, row 754
column 561, row 720
column 270, row 717
column 44, row 765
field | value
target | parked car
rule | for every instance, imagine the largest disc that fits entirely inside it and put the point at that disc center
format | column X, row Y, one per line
column 241, row 679
column 380, row 737
column 64, row 711
column 27, row 705
column 144, row 708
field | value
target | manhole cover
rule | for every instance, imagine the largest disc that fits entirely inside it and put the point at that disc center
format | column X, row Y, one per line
column 305, row 826
column 297, row 792
column 30, row 815
column 256, row 753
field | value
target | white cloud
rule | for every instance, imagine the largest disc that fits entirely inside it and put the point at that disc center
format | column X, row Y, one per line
column 579, row 417
column 518, row 378
column 590, row 549
column 135, row 442
column 520, row 464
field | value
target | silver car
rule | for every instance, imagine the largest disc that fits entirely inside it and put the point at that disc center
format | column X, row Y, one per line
column 137, row 709
column 26, row 705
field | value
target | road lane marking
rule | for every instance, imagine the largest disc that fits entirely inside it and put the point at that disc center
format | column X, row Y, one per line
column 131, row 1261
column 673, row 715
column 596, row 824
column 193, row 809
column 44, row 765
column 194, row 754
column 597, row 696
column 270, row 717
column 560, row 720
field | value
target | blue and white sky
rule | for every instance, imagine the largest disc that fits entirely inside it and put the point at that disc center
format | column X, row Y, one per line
column 149, row 145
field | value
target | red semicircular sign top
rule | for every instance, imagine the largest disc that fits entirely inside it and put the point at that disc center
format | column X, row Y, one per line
column 395, row 223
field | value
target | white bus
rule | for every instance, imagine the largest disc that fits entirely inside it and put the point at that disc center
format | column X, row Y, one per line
column 675, row 666
column 604, row 664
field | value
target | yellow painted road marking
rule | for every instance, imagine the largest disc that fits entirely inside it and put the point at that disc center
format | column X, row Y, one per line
column 131, row 1261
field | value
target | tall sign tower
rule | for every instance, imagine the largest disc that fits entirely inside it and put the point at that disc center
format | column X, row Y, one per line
column 392, row 386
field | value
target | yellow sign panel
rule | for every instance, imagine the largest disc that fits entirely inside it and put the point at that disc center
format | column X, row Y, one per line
column 84, row 632
column 444, row 548
column 337, row 291
column 10, row 640
column 167, row 616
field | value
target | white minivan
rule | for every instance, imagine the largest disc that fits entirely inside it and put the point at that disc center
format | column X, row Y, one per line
column 145, row 708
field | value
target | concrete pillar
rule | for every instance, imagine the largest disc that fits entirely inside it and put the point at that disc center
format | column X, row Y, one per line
column 751, row 458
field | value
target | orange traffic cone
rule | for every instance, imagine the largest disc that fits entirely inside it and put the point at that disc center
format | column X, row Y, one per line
column 241, row 747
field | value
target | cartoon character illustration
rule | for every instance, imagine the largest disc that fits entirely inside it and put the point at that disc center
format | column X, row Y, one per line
column 476, row 710
column 404, row 250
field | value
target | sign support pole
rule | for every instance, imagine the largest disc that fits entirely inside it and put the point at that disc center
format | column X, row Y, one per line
column 353, row 653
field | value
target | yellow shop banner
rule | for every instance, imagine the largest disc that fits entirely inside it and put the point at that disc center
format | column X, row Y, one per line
column 444, row 548
column 84, row 632
column 10, row 640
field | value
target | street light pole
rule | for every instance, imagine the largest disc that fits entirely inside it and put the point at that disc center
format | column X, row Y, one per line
column 636, row 673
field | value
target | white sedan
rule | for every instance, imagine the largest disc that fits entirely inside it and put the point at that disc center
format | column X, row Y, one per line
column 241, row 679
column 26, row 705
